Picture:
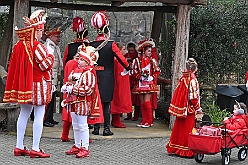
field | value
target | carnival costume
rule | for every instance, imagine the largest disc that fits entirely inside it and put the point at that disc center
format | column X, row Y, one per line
column 71, row 50
column 145, row 70
column 105, row 69
column 184, row 104
column 121, row 102
column 29, row 82
column 82, row 101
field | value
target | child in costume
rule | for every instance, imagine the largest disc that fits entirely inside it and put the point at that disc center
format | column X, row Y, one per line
column 239, row 119
column 81, row 101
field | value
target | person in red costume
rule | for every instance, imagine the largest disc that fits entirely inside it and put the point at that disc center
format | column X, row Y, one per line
column 239, row 119
column 121, row 102
column 29, row 82
column 184, row 105
column 70, row 63
column 105, row 69
column 130, row 55
column 81, row 101
column 145, row 70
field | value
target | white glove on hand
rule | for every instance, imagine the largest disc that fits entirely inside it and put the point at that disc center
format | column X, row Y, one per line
column 66, row 88
column 69, row 89
column 50, row 50
column 124, row 72
column 150, row 78
column 246, row 85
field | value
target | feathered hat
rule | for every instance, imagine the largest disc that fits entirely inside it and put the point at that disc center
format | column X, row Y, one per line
column 36, row 19
column 84, row 55
column 100, row 21
column 79, row 26
column 88, row 53
column 144, row 43
column 53, row 32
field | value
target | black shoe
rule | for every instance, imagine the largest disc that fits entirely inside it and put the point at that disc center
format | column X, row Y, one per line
column 48, row 124
column 106, row 131
column 96, row 129
column 54, row 122
column 90, row 126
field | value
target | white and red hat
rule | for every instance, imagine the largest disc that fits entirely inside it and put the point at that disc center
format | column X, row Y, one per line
column 144, row 43
column 78, row 24
column 36, row 19
column 88, row 53
column 99, row 20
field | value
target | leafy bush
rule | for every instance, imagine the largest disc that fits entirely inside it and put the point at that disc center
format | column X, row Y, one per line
column 215, row 113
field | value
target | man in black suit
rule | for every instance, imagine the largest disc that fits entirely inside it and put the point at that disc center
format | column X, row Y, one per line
column 108, row 50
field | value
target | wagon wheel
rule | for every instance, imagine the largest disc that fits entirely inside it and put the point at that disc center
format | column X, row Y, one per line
column 225, row 159
column 242, row 154
column 199, row 157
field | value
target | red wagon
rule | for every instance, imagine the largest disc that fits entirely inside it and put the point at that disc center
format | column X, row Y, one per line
column 223, row 142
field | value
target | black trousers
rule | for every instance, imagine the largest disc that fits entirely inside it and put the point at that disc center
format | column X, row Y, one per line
column 49, row 109
column 106, row 113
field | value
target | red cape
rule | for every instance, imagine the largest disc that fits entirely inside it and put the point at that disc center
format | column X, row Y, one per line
column 179, row 102
column 121, row 102
column 19, row 84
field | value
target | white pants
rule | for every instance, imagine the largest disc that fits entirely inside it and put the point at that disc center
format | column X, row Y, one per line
column 81, row 130
column 25, row 112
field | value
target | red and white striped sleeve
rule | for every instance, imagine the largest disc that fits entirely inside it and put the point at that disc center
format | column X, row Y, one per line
column 43, row 58
column 87, row 84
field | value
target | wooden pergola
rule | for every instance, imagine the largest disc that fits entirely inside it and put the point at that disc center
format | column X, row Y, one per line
column 19, row 8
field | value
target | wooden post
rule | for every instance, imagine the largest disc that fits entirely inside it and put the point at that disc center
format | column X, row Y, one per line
column 156, row 25
column 21, row 8
column 181, row 49
column 5, row 44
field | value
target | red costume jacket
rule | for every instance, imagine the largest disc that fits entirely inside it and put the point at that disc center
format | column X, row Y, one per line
column 237, row 122
column 29, row 72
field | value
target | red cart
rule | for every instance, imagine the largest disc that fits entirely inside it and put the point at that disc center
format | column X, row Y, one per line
column 224, row 142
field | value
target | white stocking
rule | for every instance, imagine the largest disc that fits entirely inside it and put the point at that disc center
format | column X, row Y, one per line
column 84, row 131
column 25, row 112
column 76, row 131
column 39, row 112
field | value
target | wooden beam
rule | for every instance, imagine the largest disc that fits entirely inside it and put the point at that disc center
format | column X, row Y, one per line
column 6, row 3
column 183, row 2
column 156, row 25
column 168, row 9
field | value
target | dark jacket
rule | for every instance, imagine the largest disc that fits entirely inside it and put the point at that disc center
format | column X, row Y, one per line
column 106, row 76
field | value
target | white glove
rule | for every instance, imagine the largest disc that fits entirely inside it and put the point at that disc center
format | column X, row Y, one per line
column 66, row 88
column 124, row 72
column 246, row 85
column 50, row 50
column 150, row 78
column 63, row 89
column 69, row 89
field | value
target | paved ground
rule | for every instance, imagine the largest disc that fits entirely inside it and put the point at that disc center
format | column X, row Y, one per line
column 131, row 145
